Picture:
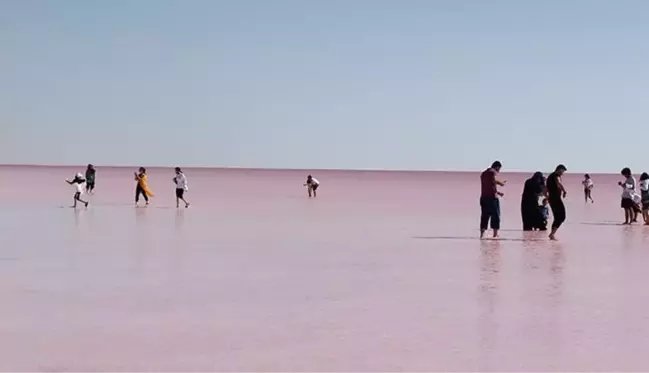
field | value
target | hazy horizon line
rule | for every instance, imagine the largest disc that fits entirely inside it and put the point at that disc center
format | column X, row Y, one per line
column 291, row 169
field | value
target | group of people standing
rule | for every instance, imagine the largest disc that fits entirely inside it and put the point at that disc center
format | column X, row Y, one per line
column 539, row 196
column 632, row 202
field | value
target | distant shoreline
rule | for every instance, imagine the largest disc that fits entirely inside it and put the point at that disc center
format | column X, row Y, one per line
column 314, row 170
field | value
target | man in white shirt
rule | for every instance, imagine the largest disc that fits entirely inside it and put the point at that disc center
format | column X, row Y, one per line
column 181, row 187
column 312, row 185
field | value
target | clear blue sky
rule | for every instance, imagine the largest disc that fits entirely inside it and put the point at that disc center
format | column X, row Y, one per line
column 326, row 84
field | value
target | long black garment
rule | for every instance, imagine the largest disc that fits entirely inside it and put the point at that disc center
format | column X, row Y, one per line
column 530, row 211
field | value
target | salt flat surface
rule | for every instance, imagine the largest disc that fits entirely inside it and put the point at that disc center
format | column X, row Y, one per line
column 382, row 271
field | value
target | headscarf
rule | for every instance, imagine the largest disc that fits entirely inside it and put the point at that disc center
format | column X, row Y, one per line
column 533, row 186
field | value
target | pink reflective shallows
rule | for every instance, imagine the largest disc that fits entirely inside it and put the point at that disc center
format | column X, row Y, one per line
column 382, row 272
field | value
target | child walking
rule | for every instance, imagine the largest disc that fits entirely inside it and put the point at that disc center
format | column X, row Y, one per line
column 545, row 211
column 181, row 187
column 78, row 182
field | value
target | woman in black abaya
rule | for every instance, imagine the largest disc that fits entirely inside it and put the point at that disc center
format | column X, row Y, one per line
column 530, row 210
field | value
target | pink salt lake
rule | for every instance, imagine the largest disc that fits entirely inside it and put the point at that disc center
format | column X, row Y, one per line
column 381, row 272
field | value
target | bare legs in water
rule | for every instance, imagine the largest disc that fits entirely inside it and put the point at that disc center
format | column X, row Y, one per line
column 77, row 197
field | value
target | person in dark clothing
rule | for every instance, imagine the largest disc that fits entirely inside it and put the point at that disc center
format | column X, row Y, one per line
column 489, row 203
column 90, row 179
column 644, row 196
column 588, row 188
column 530, row 211
column 556, row 194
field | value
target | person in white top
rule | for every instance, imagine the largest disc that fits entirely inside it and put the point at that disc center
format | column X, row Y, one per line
column 78, row 183
column 181, row 187
column 644, row 196
column 312, row 185
column 588, row 188
column 628, row 197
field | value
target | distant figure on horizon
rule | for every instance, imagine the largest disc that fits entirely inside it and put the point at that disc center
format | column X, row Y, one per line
column 588, row 188
column 489, row 203
column 312, row 185
column 531, row 209
column 644, row 196
column 181, row 187
column 628, row 196
column 556, row 194
column 142, row 187
column 90, row 179
column 78, row 182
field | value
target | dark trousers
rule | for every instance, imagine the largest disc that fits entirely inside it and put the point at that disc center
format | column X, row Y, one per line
column 490, row 211
column 558, row 212
column 138, row 191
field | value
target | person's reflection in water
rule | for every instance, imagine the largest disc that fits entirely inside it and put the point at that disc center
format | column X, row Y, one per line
column 531, row 212
column 90, row 219
column 552, row 307
column 628, row 237
column 543, row 284
column 179, row 249
column 557, row 262
column 140, row 216
column 490, row 267
column 550, row 260
column 645, row 236
column 84, row 218
column 140, row 242
column 180, row 218
column 76, row 217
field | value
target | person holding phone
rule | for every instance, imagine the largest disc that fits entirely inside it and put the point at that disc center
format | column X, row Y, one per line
column 141, row 187
column 181, row 187
column 629, row 198
column 489, row 202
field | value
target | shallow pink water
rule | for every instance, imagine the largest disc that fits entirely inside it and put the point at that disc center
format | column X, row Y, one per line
column 381, row 272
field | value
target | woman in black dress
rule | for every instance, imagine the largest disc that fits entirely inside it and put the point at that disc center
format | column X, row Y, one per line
column 530, row 210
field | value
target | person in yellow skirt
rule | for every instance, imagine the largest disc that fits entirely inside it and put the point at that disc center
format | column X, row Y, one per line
column 142, row 187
